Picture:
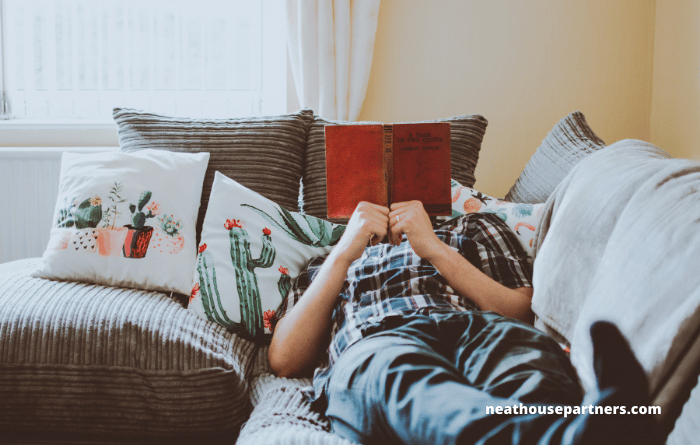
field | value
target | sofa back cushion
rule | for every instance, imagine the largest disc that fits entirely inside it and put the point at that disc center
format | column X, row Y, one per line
column 466, row 134
column 570, row 140
column 265, row 154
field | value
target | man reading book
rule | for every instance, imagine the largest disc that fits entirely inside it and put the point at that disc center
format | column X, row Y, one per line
column 422, row 336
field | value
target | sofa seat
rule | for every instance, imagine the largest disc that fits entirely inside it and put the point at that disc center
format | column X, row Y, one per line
column 116, row 362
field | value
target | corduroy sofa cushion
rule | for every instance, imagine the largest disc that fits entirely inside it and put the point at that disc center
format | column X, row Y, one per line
column 570, row 140
column 466, row 133
column 265, row 154
column 79, row 359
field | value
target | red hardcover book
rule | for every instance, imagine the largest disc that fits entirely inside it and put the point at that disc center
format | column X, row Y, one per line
column 388, row 163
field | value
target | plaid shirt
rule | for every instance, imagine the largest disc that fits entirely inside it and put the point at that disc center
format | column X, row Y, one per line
column 392, row 280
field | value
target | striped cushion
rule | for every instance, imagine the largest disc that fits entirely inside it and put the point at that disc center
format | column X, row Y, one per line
column 466, row 133
column 569, row 141
column 89, row 359
column 265, row 154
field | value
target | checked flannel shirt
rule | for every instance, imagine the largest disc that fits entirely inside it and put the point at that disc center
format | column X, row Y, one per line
column 389, row 281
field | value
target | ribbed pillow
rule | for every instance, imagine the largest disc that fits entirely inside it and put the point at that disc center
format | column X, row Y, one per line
column 466, row 133
column 108, row 362
column 569, row 141
column 265, row 154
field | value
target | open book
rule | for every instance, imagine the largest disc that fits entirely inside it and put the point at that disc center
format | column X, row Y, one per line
column 388, row 163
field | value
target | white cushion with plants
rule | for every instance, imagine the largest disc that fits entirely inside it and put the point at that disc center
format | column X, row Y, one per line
column 126, row 219
column 522, row 218
column 251, row 248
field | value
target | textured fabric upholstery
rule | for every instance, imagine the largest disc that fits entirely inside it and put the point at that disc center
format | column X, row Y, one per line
column 87, row 359
column 570, row 140
column 282, row 416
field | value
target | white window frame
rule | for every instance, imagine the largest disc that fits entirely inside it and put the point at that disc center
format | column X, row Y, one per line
column 103, row 132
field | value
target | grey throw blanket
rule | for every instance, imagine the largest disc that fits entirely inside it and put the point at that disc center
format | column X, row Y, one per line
column 620, row 241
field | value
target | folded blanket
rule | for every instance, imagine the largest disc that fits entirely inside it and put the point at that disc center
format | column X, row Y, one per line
column 620, row 241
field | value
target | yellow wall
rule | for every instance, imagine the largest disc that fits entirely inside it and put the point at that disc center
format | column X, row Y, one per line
column 675, row 115
column 521, row 64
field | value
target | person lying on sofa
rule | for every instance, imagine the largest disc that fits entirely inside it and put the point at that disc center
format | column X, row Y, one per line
column 426, row 332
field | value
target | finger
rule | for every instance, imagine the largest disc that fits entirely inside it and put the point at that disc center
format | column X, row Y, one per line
column 380, row 208
column 395, row 233
column 377, row 233
column 401, row 213
column 397, row 219
column 401, row 205
column 378, row 218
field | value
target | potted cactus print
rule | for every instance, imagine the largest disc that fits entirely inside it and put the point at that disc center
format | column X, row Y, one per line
column 167, row 238
column 139, row 235
column 85, row 219
column 111, row 239
column 64, row 222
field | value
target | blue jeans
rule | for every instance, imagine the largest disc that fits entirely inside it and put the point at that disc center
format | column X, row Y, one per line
column 428, row 378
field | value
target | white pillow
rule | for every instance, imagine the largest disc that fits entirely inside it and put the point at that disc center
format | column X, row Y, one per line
column 126, row 219
column 250, row 250
column 522, row 218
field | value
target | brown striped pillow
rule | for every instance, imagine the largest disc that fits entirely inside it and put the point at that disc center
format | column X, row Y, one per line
column 466, row 133
column 265, row 154
column 569, row 141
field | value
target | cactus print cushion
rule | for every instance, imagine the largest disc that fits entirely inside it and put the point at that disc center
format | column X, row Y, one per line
column 522, row 218
column 126, row 219
column 251, row 248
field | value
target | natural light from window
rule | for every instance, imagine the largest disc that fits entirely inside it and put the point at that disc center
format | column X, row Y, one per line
column 78, row 59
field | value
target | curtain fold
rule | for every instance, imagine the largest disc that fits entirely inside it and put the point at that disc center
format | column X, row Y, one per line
column 331, row 44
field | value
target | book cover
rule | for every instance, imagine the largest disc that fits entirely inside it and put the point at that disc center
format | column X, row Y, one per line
column 388, row 163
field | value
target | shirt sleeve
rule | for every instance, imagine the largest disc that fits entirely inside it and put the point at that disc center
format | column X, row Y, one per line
column 299, row 286
column 488, row 241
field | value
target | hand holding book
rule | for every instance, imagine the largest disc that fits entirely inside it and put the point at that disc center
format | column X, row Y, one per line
column 371, row 223
column 412, row 219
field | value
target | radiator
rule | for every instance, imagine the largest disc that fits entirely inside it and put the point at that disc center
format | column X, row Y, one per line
column 28, row 191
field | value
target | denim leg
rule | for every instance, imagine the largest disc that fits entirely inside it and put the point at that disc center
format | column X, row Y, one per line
column 393, row 387
column 511, row 360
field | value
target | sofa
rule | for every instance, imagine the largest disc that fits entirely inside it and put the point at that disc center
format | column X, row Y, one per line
column 89, row 358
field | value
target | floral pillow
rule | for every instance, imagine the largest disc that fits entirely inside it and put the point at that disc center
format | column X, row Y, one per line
column 521, row 218
column 126, row 219
column 250, row 250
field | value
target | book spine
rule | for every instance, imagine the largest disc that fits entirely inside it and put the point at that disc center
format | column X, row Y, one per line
column 388, row 160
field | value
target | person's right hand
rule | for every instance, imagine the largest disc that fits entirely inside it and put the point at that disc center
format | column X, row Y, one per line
column 368, row 224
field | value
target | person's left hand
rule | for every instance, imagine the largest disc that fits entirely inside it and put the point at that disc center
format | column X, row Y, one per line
column 411, row 218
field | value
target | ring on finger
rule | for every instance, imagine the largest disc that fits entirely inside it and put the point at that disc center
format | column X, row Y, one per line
column 398, row 218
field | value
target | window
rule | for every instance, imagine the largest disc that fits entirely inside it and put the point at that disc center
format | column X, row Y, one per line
column 77, row 59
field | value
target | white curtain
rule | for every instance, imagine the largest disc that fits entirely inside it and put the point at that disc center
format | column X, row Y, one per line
column 331, row 43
